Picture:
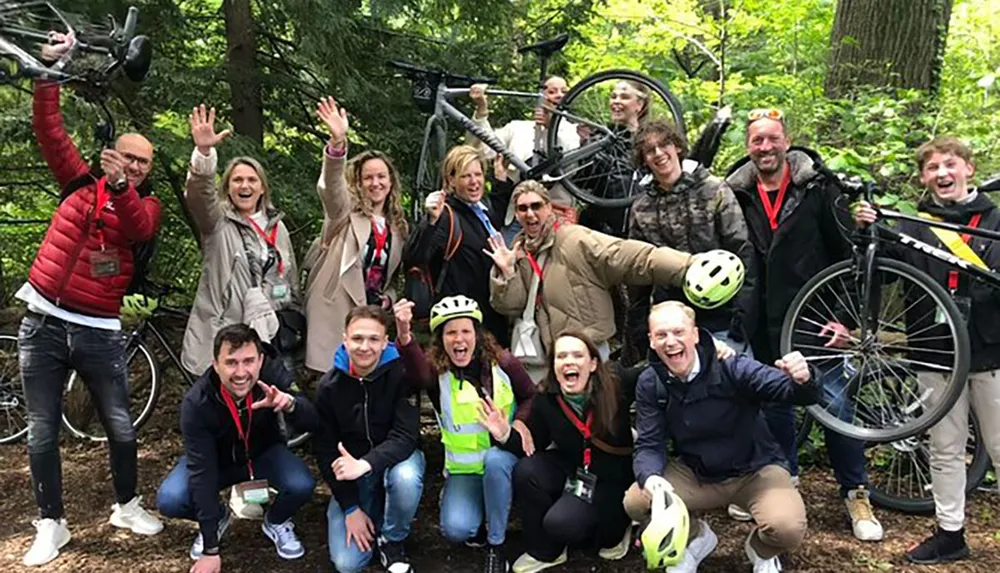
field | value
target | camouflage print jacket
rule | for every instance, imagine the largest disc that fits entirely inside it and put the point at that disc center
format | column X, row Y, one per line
column 697, row 214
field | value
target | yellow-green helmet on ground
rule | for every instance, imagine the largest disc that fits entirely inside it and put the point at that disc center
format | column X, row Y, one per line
column 457, row 306
column 713, row 278
column 666, row 536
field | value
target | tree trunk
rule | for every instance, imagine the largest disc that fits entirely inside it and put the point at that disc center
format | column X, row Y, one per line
column 241, row 70
column 887, row 43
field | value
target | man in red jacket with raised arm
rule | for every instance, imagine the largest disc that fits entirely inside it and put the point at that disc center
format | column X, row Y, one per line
column 73, row 293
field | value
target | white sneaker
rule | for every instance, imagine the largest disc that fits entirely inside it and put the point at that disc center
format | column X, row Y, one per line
column 198, row 547
column 796, row 481
column 618, row 551
column 697, row 550
column 528, row 564
column 760, row 565
column 132, row 516
column 51, row 536
column 244, row 510
column 738, row 513
column 284, row 538
column 863, row 521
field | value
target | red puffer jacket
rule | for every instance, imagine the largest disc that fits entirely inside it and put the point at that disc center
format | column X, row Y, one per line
column 62, row 270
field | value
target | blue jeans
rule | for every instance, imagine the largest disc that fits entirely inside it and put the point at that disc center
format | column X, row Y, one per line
column 847, row 455
column 283, row 470
column 467, row 498
column 49, row 348
column 400, row 487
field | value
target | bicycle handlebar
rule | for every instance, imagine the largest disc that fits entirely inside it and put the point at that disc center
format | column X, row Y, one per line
column 418, row 73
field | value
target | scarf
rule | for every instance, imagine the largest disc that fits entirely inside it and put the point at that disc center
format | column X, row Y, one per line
column 578, row 402
column 543, row 240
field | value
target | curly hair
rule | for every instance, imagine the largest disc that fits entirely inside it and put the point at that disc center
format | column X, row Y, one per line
column 604, row 384
column 488, row 350
column 359, row 199
column 666, row 132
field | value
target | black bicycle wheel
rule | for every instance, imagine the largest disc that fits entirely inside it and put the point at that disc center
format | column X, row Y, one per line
column 429, row 167
column 13, row 407
column 79, row 414
column 908, row 348
column 607, row 177
column 899, row 473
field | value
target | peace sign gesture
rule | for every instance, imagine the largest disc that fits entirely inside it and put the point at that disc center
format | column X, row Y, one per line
column 494, row 420
column 273, row 398
column 203, row 129
column 503, row 257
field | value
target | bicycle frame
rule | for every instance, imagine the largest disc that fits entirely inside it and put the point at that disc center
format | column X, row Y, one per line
column 148, row 325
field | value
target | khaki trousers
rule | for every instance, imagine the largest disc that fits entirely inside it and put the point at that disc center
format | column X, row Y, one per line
column 769, row 495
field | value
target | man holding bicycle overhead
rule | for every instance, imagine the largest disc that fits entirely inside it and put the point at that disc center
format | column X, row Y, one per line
column 232, row 437
column 73, row 295
column 945, row 165
column 787, row 197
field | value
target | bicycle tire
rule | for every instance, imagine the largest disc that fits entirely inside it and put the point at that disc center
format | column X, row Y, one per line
column 432, row 152
column 929, row 414
column 13, row 407
column 579, row 97
column 916, row 447
column 135, row 349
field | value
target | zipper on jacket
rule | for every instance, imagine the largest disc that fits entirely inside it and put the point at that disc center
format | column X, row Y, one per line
column 368, row 431
column 76, row 255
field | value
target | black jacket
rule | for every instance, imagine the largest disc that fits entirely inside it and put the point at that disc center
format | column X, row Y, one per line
column 714, row 421
column 808, row 239
column 377, row 418
column 469, row 270
column 984, row 319
column 212, row 445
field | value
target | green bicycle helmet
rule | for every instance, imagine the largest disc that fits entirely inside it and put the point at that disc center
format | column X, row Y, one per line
column 713, row 278
column 138, row 306
column 457, row 306
column 666, row 536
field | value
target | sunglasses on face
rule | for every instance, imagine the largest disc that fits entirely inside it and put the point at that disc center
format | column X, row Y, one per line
column 769, row 113
column 525, row 207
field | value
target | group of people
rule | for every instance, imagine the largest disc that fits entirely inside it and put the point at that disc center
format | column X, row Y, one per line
column 533, row 413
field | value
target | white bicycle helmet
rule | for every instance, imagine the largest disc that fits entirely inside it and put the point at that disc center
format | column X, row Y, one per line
column 713, row 278
column 457, row 306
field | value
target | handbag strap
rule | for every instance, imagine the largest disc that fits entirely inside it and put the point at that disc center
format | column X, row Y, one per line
column 536, row 281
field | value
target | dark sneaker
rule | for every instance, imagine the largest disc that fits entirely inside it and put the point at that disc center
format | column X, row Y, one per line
column 941, row 547
column 496, row 562
column 479, row 540
column 393, row 556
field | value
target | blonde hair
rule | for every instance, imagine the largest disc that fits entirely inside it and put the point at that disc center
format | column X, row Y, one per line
column 393, row 208
column 265, row 199
column 457, row 160
column 674, row 305
column 530, row 186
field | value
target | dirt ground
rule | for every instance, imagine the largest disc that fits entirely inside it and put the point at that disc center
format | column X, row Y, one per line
column 97, row 546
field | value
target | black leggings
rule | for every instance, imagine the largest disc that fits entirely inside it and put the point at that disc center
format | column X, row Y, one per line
column 553, row 520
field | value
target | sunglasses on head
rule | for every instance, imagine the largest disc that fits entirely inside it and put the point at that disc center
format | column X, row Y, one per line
column 769, row 113
column 535, row 206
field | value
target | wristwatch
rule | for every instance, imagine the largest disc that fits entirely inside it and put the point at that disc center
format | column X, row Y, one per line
column 118, row 186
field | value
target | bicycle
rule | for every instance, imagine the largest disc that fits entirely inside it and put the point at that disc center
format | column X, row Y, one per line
column 587, row 172
column 901, row 323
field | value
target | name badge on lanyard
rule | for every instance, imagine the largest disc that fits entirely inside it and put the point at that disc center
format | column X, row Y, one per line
column 253, row 490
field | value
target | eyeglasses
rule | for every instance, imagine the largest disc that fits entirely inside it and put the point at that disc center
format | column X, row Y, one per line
column 536, row 206
column 769, row 113
column 141, row 161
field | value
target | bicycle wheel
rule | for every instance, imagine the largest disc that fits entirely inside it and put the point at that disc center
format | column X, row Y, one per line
column 908, row 347
column 899, row 473
column 429, row 168
column 803, row 434
column 13, row 408
column 79, row 414
column 608, row 177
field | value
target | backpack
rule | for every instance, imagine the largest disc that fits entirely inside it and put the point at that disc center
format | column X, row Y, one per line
column 142, row 252
column 420, row 286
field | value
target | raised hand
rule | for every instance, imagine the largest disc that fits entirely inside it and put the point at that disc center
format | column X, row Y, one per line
column 494, row 420
column 795, row 365
column 347, row 467
column 478, row 94
column 273, row 398
column 433, row 205
column 59, row 44
column 203, row 129
column 503, row 257
column 499, row 168
column 864, row 214
column 335, row 118
column 360, row 529
column 840, row 336
column 113, row 165
column 403, row 310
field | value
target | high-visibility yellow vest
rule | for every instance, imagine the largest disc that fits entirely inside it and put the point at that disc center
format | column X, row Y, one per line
column 465, row 439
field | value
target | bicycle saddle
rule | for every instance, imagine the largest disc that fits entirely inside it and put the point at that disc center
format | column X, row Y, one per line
column 546, row 48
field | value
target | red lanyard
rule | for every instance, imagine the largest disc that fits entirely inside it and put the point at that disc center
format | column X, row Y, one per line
column 583, row 427
column 102, row 201
column 380, row 239
column 773, row 210
column 235, row 413
column 272, row 240
column 953, row 275
column 534, row 265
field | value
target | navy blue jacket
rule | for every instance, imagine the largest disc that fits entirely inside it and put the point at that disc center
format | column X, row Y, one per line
column 715, row 420
column 215, row 453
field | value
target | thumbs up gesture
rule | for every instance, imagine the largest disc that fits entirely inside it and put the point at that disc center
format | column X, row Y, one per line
column 273, row 398
column 347, row 467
